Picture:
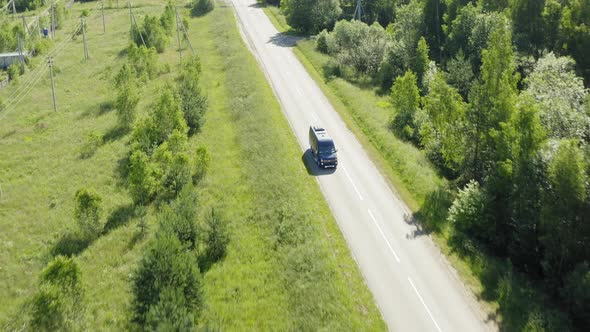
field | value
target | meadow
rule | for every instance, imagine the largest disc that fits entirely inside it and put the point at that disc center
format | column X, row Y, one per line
column 287, row 266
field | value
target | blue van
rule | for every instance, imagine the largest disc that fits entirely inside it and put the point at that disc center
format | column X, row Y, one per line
column 322, row 147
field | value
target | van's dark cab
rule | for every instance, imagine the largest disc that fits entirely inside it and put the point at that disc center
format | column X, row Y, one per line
column 322, row 147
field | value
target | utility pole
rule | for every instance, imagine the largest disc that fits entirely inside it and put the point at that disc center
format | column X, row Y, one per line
column 21, row 57
column 358, row 11
column 187, row 39
column 13, row 10
column 50, row 62
column 131, row 22
column 178, row 36
column 39, row 26
column 84, row 38
column 25, row 28
column 52, row 20
column 104, row 29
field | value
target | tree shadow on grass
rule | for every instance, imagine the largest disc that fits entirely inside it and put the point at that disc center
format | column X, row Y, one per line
column 70, row 244
column 115, row 133
column 98, row 109
column 119, row 217
column 434, row 210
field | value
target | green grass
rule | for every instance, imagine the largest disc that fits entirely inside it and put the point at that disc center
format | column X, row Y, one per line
column 296, row 276
column 509, row 298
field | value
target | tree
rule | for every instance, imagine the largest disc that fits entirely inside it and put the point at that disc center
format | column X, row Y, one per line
column 143, row 60
column 168, row 18
column 217, row 239
column 167, row 115
column 357, row 45
column 492, row 103
column 576, row 292
column 193, row 102
column 170, row 313
column 445, row 132
column 311, row 16
column 141, row 180
column 201, row 7
column 166, row 265
column 459, row 74
column 126, row 104
column 421, row 62
column 525, row 137
column 407, row 30
column 468, row 212
column 563, row 225
column 151, row 34
column 88, row 212
column 560, row 94
column 172, row 165
column 202, row 163
column 405, row 100
column 58, row 303
column 527, row 22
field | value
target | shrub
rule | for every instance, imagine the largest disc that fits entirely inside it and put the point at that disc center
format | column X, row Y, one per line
column 88, row 212
column 201, row 7
column 145, row 136
column 179, row 218
column 405, row 99
column 93, row 142
column 217, row 239
column 58, row 304
column 167, row 115
column 13, row 71
column 202, row 162
column 126, row 104
column 151, row 34
column 141, row 180
column 192, row 101
column 165, row 266
column 170, row 313
column 576, row 292
column 167, row 20
column 311, row 16
column 174, row 169
column 467, row 213
column 144, row 61
column 321, row 43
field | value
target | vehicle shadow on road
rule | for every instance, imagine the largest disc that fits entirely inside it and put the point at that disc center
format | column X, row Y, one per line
column 312, row 168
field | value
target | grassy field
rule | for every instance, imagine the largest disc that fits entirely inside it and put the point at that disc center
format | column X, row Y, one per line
column 511, row 300
column 287, row 267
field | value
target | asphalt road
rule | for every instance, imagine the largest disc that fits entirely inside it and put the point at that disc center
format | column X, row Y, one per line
column 412, row 283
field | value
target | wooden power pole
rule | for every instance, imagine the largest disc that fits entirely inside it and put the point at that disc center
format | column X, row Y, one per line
column 178, row 36
column 84, row 38
column 104, row 28
column 50, row 62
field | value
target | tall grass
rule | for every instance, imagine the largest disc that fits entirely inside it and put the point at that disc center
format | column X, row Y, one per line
column 287, row 265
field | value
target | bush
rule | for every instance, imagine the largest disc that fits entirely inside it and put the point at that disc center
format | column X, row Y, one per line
column 321, row 43
column 202, row 162
column 405, row 99
column 41, row 46
column 201, row 7
column 126, row 104
column 170, row 313
column 311, row 16
column 168, row 18
column 179, row 218
column 166, row 266
column 93, row 142
column 58, row 304
column 88, row 212
column 145, row 136
column 192, row 101
column 13, row 71
column 216, row 239
column 174, row 168
column 144, row 61
column 467, row 213
column 151, row 34
column 141, row 180
column 167, row 115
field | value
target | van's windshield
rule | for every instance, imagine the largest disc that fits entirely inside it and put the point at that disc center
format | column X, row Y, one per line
column 327, row 150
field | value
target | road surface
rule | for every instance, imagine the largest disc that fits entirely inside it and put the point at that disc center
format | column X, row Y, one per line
column 412, row 283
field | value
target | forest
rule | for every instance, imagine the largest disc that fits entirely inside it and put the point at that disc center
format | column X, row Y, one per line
column 495, row 94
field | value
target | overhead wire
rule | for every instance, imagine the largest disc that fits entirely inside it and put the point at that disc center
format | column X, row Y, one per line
column 17, row 95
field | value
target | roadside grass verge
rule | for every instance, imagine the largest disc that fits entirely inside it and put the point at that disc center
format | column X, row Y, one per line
column 510, row 299
column 287, row 266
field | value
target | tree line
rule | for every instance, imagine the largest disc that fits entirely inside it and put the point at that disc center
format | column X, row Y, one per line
column 493, row 91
